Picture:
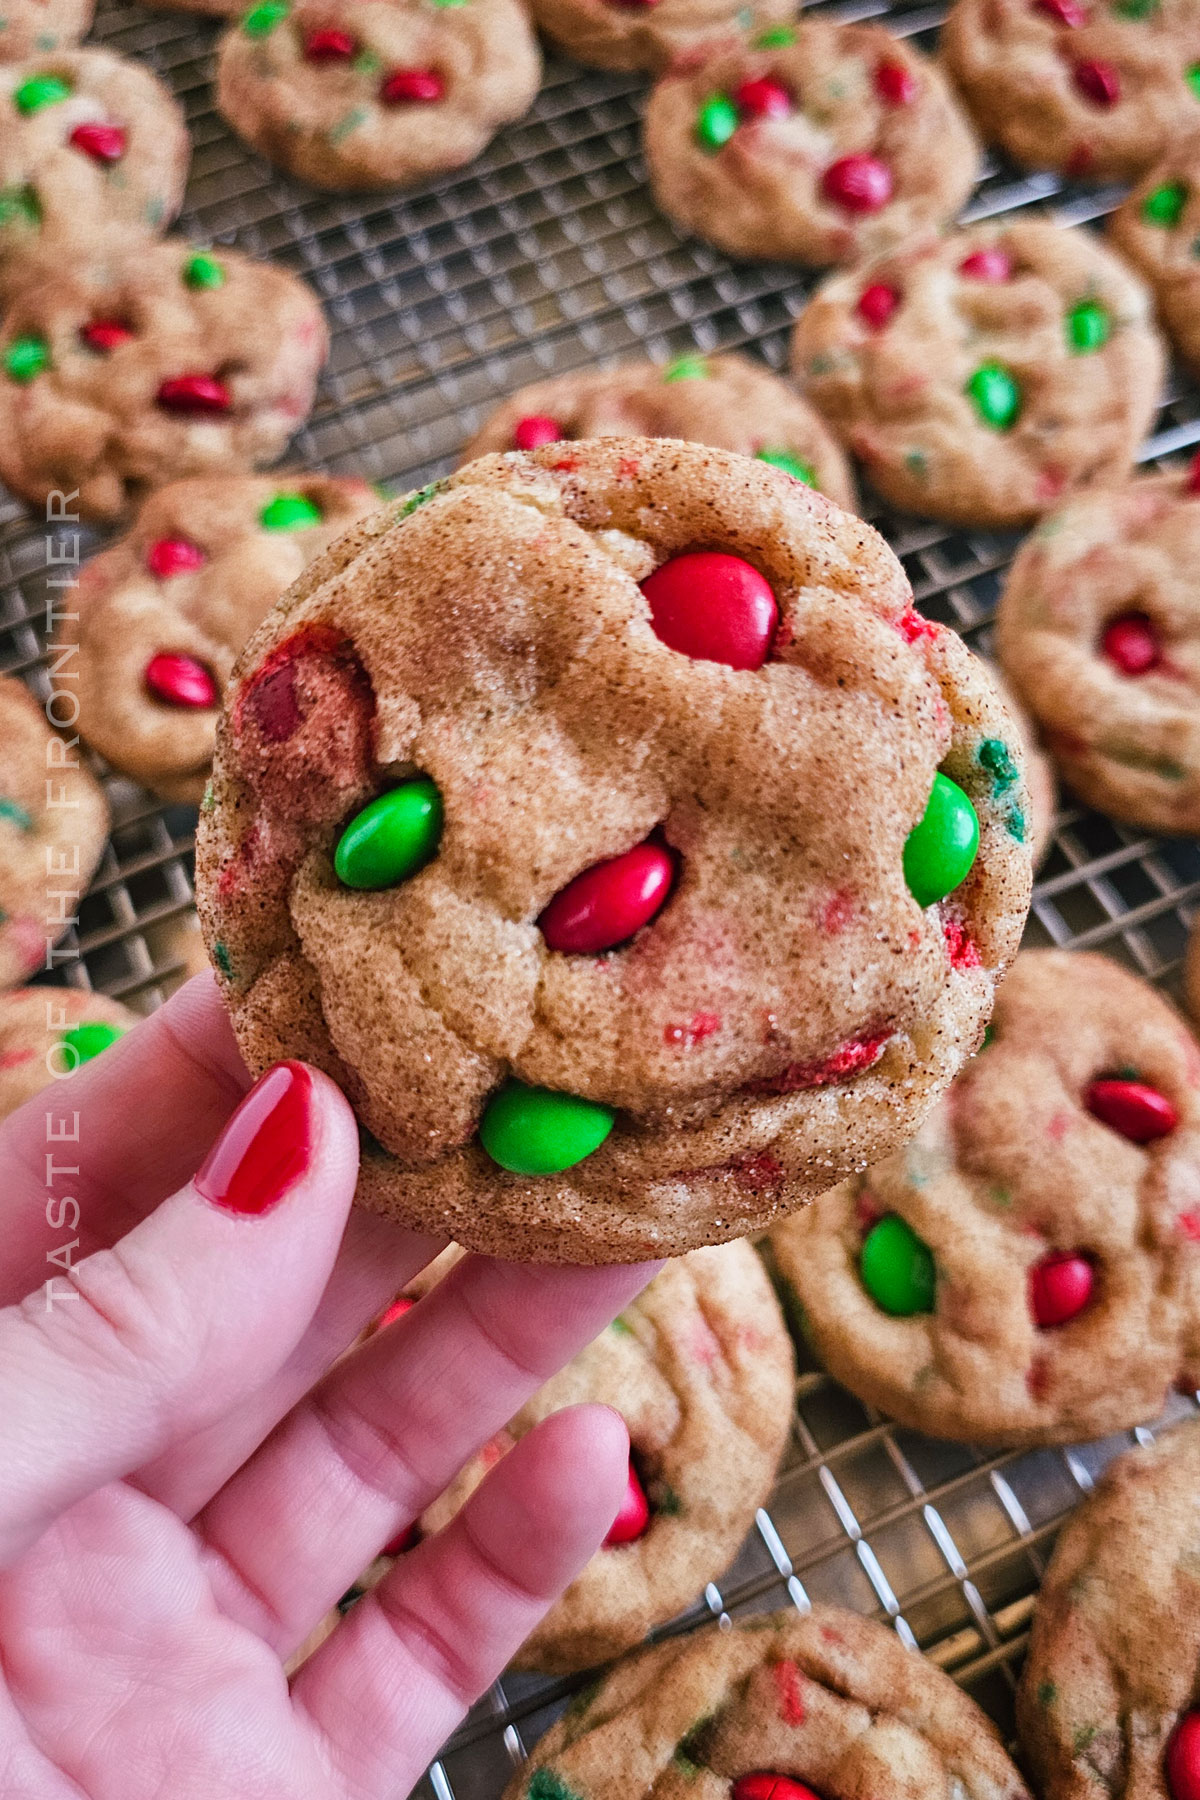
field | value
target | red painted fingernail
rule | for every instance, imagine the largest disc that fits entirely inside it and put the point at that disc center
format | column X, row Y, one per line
column 266, row 1146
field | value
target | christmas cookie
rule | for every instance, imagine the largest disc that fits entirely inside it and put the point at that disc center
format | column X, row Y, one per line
column 727, row 401
column 1095, row 88
column 92, row 146
column 608, row 825
column 47, row 1032
column 647, row 34
column 165, row 361
column 157, row 621
column 761, row 1711
column 1099, row 630
column 1027, row 1271
column 1107, row 1705
column 30, row 26
column 378, row 93
column 1158, row 228
column 979, row 375
column 1039, row 774
column 815, row 143
column 53, row 824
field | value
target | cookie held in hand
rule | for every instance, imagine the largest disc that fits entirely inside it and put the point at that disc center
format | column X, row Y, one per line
column 608, row 825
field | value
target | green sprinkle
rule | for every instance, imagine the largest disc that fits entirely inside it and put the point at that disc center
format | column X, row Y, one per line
column 411, row 503
column 1193, row 79
column 1088, row 327
column 392, row 837
column 26, row 357
column 1085, row 1735
column 716, row 122
column 791, row 465
column 19, row 206
column 1135, row 9
column 223, row 960
column 667, row 1501
column 996, row 758
column 366, row 63
column 262, row 19
column 996, row 395
column 39, row 91
column 443, row 3
column 535, row 1131
column 989, row 1037
column 1000, row 1196
column 686, row 368
column 89, row 1039
column 1047, row 1693
column 1164, row 205
column 155, row 210
column 546, row 1785
column 778, row 38
column 917, row 463
column 349, row 122
column 16, row 815
column 289, row 512
column 621, row 1327
column 1017, row 824
column 897, row 1268
column 209, row 800
column 203, row 271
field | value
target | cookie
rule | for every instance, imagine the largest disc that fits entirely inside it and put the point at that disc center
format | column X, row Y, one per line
column 1027, row 1271
column 1107, row 1702
column 1096, row 628
column 1093, row 88
column 378, row 93
column 163, row 362
column 700, row 1367
column 1040, row 780
column 979, row 375
column 726, row 400
column 92, row 148
column 1157, row 228
column 816, row 143
column 647, row 34
column 53, row 826
column 30, row 26
column 47, row 1032
column 157, row 621
column 762, row 1710
column 631, row 891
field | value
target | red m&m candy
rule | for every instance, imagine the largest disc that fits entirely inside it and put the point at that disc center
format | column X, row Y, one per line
column 105, row 334
column 876, row 304
column 1060, row 1286
column 174, row 556
column 1097, row 81
column 895, row 83
column 194, row 394
column 857, row 183
column 1132, row 644
column 180, row 680
column 763, row 99
column 412, row 87
column 764, row 1786
column 534, row 430
column 1133, row 1108
column 1183, row 1759
column 989, row 264
column 633, row 1515
column 609, row 902
column 713, row 607
column 103, row 143
column 1063, row 12
column 329, row 45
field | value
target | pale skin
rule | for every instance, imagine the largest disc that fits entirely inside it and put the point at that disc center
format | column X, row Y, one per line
column 190, row 1478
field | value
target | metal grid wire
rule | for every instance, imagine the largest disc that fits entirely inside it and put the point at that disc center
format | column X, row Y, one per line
column 547, row 255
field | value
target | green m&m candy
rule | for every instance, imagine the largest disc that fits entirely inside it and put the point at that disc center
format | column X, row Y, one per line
column 996, row 395
column 289, row 512
column 202, row 271
column 1088, row 327
column 392, row 837
column 1164, row 204
column 262, row 19
column 26, row 357
column 38, row 91
column 686, row 368
column 534, row 1131
column 716, row 122
column 791, row 465
column 1193, row 79
column 938, row 852
column 777, row 38
column 88, row 1039
column 897, row 1268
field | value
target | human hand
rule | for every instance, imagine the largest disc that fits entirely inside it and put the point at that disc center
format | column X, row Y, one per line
column 186, row 1483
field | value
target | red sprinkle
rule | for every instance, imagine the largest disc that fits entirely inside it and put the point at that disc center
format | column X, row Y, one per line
column 608, row 903
column 913, row 625
column 537, row 429
column 713, row 607
column 1131, row 643
column 686, row 1037
column 989, row 264
column 403, row 1540
column 876, row 304
column 1193, row 475
column 1189, row 1224
column 329, row 45
column 857, row 183
column 1063, row 12
column 762, row 1786
column 634, row 1514
column 194, row 395
column 174, row 556
column 1060, row 1286
column 408, row 86
column 105, row 334
column 763, row 99
column 103, row 143
column 1183, row 1758
column 1133, row 1108
column 851, row 1059
column 395, row 1311
column 757, row 1172
column 1097, row 81
column 895, row 83
column 180, row 680
column 789, row 1684
column 961, row 946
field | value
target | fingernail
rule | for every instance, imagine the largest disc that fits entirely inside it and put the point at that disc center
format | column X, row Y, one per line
column 266, row 1146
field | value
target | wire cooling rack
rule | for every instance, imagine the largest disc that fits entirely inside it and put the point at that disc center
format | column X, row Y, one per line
column 546, row 255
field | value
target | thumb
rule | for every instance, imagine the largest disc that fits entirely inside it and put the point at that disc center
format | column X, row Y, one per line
column 145, row 1343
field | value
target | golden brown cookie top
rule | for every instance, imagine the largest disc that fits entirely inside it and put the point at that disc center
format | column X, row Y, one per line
column 1099, row 631
column 725, row 400
column 816, row 143
column 1107, row 1699
column 979, row 375
column 825, row 1698
column 160, row 617
column 625, row 649
column 1027, row 1270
